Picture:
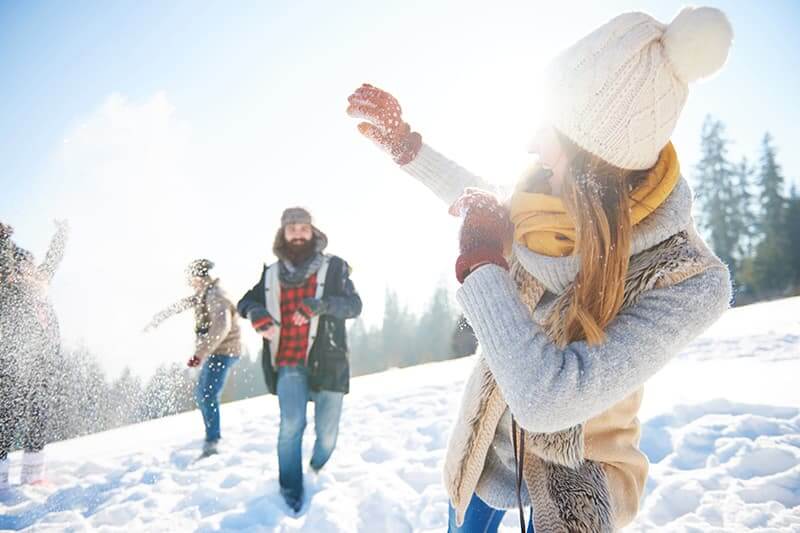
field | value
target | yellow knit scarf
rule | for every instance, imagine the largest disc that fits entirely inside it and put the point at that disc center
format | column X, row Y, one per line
column 542, row 224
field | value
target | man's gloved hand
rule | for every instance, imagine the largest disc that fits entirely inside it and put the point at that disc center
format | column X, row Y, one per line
column 263, row 322
column 260, row 319
column 308, row 309
column 312, row 307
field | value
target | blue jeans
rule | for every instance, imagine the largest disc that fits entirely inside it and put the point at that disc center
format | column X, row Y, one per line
column 209, row 389
column 293, row 395
column 480, row 518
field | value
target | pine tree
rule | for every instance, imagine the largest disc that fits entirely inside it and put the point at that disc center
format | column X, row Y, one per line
column 770, row 180
column 435, row 328
column 720, row 200
column 398, row 330
column 744, row 207
column 772, row 270
column 793, row 231
column 169, row 391
column 357, row 343
column 78, row 398
column 367, row 354
column 126, row 399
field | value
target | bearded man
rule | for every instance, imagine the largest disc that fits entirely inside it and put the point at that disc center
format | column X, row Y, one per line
column 299, row 307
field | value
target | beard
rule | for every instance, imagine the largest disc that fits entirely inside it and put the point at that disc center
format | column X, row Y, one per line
column 299, row 250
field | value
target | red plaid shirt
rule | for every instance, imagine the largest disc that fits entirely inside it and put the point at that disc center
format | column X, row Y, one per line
column 294, row 339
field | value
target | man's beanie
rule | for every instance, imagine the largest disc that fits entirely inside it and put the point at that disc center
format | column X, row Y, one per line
column 295, row 215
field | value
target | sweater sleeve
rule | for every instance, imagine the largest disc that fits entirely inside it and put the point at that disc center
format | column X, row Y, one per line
column 549, row 388
column 445, row 178
column 176, row 308
column 348, row 303
column 254, row 298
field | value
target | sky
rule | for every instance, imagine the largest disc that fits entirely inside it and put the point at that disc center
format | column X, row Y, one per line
column 166, row 131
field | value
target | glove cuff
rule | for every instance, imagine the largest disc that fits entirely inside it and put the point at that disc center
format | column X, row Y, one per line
column 409, row 148
column 262, row 323
column 467, row 260
column 305, row 310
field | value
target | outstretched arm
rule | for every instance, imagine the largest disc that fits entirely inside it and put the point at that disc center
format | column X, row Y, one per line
column 178, row 307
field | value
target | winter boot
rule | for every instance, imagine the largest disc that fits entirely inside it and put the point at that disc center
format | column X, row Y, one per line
column 210, row 447
column 295, row 503
column 32, row 468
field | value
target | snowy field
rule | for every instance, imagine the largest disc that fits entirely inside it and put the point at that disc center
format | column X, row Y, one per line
column 721, row 427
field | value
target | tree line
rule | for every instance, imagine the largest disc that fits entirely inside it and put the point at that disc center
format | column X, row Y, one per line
column 750, row 217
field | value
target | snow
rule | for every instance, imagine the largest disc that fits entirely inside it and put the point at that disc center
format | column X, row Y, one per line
column 721, row 428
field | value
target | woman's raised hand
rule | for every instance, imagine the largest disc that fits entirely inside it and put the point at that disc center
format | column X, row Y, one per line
column 384, row 123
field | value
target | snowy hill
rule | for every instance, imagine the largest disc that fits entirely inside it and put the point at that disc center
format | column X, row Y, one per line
column 721, row 427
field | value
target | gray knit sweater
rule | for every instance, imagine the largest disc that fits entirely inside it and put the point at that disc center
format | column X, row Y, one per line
column 548, row 388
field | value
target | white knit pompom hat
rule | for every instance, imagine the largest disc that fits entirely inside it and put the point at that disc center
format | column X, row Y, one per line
column 617, row 93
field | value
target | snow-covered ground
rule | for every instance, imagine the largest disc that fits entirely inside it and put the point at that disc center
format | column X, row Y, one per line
column 721, row 427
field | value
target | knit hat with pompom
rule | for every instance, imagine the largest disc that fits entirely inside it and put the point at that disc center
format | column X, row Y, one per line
column 617, row 93
column 199, row 268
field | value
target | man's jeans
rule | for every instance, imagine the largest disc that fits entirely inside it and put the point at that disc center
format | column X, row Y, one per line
column 209, row 389
column 480, row 518
column 293, row 394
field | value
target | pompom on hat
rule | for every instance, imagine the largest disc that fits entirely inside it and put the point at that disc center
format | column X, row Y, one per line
column 617, row 93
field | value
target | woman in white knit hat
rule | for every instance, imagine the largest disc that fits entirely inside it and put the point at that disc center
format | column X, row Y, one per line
column 580, row 286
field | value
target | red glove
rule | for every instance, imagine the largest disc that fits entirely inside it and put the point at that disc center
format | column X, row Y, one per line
column 485, row 228
column 385, row 127
column 193, row 362
column 260, row 319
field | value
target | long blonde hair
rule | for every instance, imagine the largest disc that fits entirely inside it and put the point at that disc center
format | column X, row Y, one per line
column 596, row 195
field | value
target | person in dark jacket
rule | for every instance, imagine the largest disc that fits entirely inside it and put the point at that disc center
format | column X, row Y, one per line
column 299, row 307
column 29, row 344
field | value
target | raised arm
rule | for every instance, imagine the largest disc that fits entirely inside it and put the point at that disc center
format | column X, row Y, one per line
column 178, row 307
column 384, row 126
column 55, row 253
